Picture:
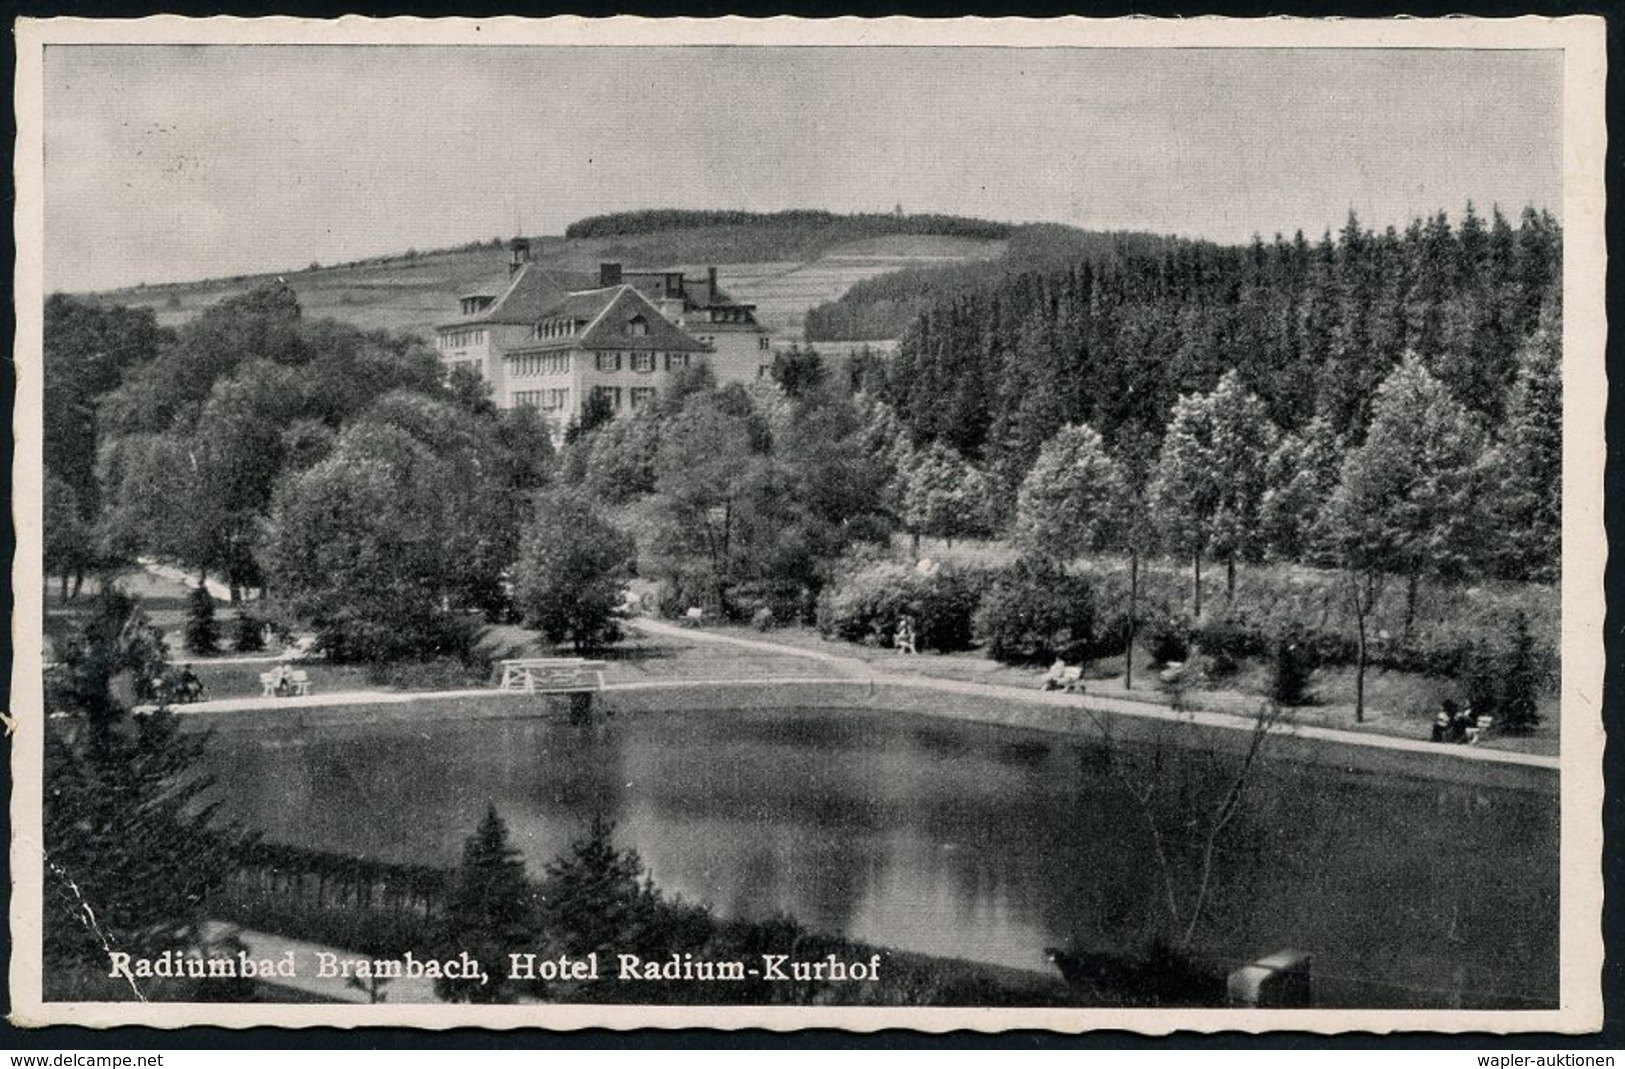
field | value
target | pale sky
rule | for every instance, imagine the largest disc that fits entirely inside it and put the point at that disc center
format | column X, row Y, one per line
column 176, row 163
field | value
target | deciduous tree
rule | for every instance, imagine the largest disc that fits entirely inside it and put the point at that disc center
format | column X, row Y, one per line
column 573, row 567
column 1073, row 500
column 945, row 496
column 1406, row 502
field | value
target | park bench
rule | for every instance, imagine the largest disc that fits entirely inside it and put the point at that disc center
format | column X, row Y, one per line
column 552, row 675
column 277, row 684
column 1064, row 677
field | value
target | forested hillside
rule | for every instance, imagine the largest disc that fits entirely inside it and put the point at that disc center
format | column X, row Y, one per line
column 1311, row 329
column 828, row 225
column 884, row 306
column 785, row 263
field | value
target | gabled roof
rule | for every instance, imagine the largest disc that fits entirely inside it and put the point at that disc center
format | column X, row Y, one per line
column 608, row 312
column 527, row 295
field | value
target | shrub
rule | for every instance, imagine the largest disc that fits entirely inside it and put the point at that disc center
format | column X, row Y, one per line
column 774, row 602
column 202, row 632
column 868, row 604
column 1236, row 635
column 1520, row 679
column 1168, row 638
column 685, row 588
column 1293, row 663
column 1035, row 612
column 248, row 634
column 1503, row 681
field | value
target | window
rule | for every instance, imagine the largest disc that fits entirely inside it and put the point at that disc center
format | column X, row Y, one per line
column 612, row 394
column 638, row 327
column 640, row 396
column 643, row 361
column 527, row 398
column 609, row 361
column 676, row 360
column 556, row 400
column 764, row 343
column 539, row 364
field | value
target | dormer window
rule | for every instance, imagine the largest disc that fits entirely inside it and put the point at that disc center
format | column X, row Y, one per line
column 637, row 327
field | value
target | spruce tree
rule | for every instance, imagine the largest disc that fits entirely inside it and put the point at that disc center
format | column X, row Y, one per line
column 1526, row 468
column 1520, row 681
column 133, row 845
column 490, row 914
column 202, row 633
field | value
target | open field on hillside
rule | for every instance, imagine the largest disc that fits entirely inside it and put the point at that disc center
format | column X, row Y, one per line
column 413, row 293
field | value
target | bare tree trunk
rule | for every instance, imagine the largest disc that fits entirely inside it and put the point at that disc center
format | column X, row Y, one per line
column 1412, row 582
column 1227, row 809
column 1196, row 584
column 1361, row 608
column 1230, row 577
column 78, row 583
column 914, row 546
column 1133, row 617
column 64, row 585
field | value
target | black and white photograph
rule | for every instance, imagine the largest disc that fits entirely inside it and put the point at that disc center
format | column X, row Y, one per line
column 642, row 522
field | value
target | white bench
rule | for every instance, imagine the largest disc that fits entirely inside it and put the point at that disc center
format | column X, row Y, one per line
column 291, row 683
column 552, row 675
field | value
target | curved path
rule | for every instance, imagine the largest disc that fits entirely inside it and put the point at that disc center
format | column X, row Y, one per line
column 855, row 671
column 858, row 669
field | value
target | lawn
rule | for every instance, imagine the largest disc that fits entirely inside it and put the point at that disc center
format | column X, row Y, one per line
column 1397, row 703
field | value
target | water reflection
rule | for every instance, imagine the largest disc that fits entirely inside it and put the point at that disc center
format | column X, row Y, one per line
column 976, row 842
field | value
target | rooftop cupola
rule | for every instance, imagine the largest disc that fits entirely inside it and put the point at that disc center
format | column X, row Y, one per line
column 519, row 248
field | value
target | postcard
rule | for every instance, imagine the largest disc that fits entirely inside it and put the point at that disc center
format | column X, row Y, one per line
column 985, row 524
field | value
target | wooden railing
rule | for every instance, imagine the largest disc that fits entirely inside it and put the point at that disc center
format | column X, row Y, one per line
column 553, row 675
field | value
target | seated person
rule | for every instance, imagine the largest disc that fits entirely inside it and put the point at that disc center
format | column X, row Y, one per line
column 191, row 686
column 904, row 639
column 1055, row 679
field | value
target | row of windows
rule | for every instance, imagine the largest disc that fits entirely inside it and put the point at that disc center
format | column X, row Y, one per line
column 546, row 400
column 730, row 315
column 637, row 396
column 539, row 364
column 641, row 361
column 556, row 328
column 763, row 343
column 460, row 339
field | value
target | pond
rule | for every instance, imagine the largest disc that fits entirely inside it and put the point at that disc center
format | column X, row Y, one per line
column 965, row 841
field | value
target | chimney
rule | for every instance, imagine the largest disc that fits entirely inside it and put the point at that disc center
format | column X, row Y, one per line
column 609, row 274
column 711, row 277
column 520, row 247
